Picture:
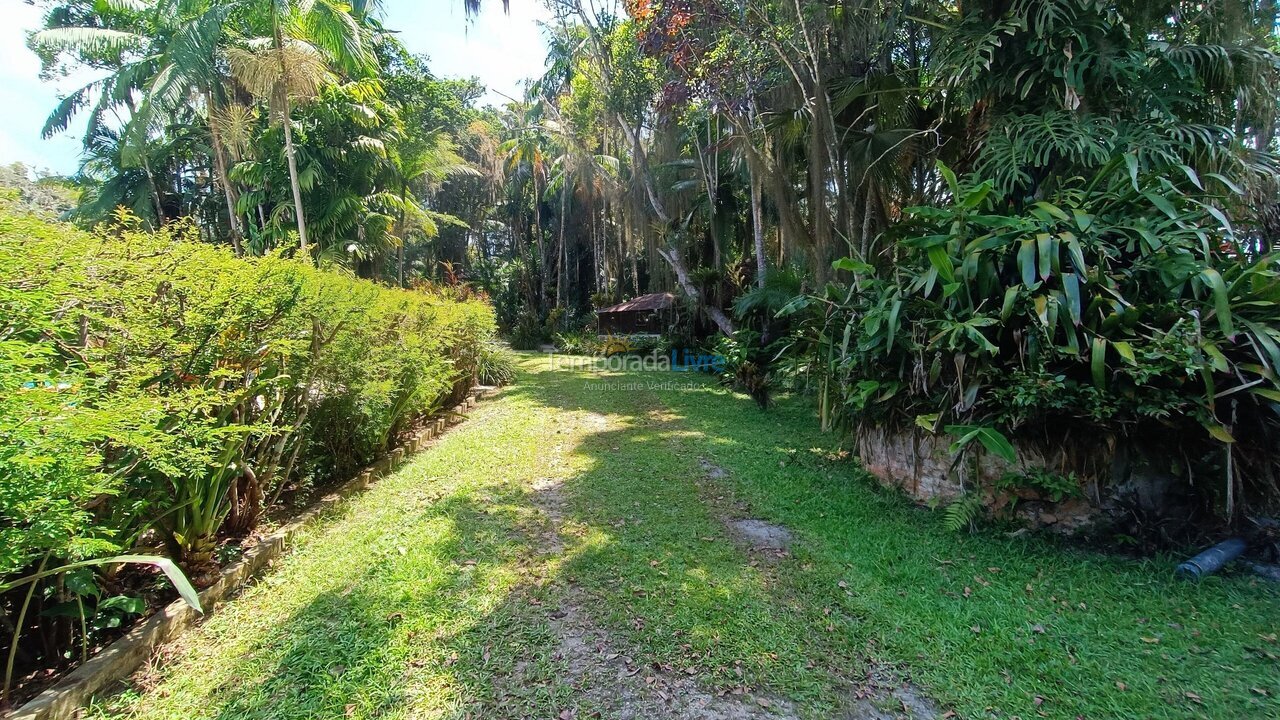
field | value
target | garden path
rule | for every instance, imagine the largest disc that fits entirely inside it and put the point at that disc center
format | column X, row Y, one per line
column 650, row 545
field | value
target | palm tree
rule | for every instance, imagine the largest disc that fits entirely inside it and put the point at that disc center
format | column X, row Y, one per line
column 526, row 157
column 306, row 41
column 426, row 165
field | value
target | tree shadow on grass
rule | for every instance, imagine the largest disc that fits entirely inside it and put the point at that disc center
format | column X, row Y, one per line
column 1022, row 625
column 645, row 554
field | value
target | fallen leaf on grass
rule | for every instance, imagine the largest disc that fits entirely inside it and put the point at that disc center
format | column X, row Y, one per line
column 1193, row 697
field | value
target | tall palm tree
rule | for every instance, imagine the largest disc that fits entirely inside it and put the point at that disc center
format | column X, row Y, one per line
column 308, row 40
column 526, row 159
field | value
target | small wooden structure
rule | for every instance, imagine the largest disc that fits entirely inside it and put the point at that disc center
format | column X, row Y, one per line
column 651, row 313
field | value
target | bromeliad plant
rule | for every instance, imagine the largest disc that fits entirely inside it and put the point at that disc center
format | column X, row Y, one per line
column 1124, row 303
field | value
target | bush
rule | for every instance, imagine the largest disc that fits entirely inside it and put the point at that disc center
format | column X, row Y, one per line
column 496, row 365
column 580, row 342
column 1124, row 306
column 153, row 384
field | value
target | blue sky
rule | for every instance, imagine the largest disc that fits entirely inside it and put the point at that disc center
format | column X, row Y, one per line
column 499, row 49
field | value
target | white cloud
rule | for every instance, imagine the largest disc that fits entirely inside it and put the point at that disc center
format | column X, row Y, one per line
column 501, row 49
column 27, row 100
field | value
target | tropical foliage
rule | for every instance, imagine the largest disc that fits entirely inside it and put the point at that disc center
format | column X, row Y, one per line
column 159, row 392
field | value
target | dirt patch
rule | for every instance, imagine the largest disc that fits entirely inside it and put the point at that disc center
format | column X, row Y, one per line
column 885, row 696
column 760, row 535
column 614, row 685
column 713, row 471
column 610, row 682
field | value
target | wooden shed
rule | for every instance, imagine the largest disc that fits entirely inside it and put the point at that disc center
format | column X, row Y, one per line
column 652, row 313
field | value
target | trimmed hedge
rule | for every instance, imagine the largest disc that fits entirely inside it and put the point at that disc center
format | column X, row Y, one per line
column 153, row 386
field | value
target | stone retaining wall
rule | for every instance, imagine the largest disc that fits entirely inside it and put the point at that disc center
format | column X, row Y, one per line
column 1113, row 477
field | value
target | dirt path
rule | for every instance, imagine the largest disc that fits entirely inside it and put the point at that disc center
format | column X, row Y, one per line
column 605, row 674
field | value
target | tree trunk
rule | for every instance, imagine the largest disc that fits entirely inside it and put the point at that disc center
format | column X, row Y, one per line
column 155, row 191
column 289, row 153
column 562, row 256
column 757, row 230
column 542, row 251
column 404, row 193
column 224, row 179
column 293, row 181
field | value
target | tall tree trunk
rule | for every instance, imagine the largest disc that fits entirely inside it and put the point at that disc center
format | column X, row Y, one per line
column 224, row 179
column 562, row 255
column 404, row 193
column 290, row 155
column 155, row 190
column 538, row 241
column 757, row 230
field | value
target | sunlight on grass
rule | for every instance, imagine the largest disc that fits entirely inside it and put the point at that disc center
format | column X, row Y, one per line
column 430, row 595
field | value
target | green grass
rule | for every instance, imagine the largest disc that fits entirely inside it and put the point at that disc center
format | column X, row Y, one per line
column 429, row 596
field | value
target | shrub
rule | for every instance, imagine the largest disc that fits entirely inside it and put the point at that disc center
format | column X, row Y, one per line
column 1123, row 305
column 153, row 384
column 495, row 365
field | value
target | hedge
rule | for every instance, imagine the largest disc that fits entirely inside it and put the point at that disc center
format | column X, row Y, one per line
column 157, row 389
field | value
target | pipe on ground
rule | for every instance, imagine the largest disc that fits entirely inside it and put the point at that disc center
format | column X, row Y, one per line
column 1212, row 560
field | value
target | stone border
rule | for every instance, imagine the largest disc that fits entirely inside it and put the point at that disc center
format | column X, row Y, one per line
column 123, row 657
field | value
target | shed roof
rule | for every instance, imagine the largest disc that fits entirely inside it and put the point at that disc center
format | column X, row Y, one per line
column 644, row 303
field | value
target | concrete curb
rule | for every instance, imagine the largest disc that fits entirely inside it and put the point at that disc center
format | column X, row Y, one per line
column 121, row 658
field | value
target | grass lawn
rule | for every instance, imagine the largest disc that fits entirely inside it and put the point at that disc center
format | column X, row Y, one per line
column 441, row 592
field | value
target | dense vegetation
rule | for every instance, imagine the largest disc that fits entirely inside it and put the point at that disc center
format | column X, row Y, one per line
column 1043, row 219
column 157, row 391
column 1029, row 215
column 436, row 593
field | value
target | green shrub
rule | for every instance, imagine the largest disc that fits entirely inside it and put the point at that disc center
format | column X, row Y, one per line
column 579, row 342
column 495, row 365
column 1121, row 305
column 153, row 384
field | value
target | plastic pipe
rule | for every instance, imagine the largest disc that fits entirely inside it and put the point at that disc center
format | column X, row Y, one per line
column 1212, row 560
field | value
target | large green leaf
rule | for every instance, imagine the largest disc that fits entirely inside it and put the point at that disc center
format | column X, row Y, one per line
column 1098, row 362
column 939, row 258
column 1221, row 302
column 1027, row 262
column 1071, row 288
column 993, row 440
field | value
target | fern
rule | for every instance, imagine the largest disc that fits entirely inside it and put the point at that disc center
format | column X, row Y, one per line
column 962, row 513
